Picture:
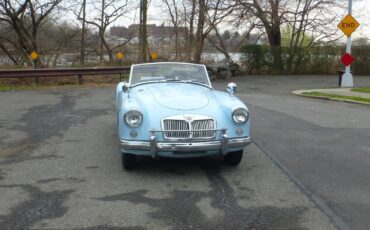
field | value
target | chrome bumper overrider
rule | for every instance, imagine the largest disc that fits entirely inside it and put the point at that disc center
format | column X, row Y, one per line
column 153, row 146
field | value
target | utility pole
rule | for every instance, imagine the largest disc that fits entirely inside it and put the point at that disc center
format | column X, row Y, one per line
column 347, row 80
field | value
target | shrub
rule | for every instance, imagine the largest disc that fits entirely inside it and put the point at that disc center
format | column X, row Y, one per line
column 262, row 59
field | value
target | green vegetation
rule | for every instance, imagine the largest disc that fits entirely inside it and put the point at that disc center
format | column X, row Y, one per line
column 20, row 87
column 40, row 87
column 287, row 34
column 336, row 96
column 259, row 59
column 361, row 90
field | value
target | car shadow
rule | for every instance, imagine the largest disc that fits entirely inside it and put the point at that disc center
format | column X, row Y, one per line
column 179, row 167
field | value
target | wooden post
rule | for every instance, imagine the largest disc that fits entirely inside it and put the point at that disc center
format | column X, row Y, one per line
column 120, row 74
column 80, row 79
column 36, row 78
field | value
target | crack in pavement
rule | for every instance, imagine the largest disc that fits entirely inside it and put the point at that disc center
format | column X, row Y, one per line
column 180, row 210
column 108, row 227
column 24, row 156
column 41, row 205
column 2, row 174
column 44, row 122
column 68, row 179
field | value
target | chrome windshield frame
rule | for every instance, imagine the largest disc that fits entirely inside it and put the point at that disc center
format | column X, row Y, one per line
column 205, row 84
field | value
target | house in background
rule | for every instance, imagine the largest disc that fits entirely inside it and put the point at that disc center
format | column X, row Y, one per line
column 157, row 35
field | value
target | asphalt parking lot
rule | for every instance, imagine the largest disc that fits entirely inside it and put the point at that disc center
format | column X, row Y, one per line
column 60, row 167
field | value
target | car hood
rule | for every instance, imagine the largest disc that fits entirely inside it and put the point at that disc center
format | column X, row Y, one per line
column 161, row 100
column 179, row 96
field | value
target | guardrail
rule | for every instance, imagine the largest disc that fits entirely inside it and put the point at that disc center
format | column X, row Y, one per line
column 79, row 72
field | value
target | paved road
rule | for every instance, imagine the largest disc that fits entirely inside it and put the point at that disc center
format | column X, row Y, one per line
column 324, row 144
column 60, row 169
column 59, row 166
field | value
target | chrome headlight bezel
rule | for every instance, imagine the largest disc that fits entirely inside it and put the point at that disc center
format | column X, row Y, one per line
column 133, row 118
column 240, row 115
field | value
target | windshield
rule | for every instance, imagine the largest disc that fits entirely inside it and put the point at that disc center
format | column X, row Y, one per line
column 169, row 72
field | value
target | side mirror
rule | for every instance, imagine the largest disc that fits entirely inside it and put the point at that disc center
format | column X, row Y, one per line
column 125, row 87
column 231, row 88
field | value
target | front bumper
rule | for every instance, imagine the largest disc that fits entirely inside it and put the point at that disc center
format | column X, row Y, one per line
column 197, row 146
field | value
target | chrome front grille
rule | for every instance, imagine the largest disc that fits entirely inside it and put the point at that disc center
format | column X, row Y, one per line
column 177, row 127
column 204, row 125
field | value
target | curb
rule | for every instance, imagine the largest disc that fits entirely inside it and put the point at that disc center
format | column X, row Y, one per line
column 300, row 93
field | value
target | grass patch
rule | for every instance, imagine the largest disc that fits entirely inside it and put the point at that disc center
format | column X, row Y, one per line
column 48, row 87
column 361, row 90
column 336, row 96
column 89, row 81
column 18, row 87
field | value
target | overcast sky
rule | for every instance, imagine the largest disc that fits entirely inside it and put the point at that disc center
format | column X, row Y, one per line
column 361, row 11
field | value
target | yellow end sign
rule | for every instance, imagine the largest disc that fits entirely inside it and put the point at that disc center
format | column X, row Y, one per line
column 34, row 55
column 348, row 25
column 153, row 55
column 119, row 55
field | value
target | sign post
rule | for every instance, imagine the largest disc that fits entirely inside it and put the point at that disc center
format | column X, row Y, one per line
column 120, row 57
column 348, row 25
column 34, row 55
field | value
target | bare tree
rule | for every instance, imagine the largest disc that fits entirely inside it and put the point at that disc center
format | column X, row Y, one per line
column 24, row 18
column 304, row 16
column 219, row 43
column 8, row 45
column 174, row 15
column 56, row 39
column 83, row 32
column 189, row 17
column 270, row 14
column 107, row 12
column 204, row 16
column 310, row 22
column 143, row 36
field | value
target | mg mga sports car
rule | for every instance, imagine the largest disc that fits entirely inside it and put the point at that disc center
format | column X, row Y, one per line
column 170, row 109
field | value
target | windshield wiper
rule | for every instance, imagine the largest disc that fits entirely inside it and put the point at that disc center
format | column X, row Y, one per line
column 196, row 81
column 172, row 79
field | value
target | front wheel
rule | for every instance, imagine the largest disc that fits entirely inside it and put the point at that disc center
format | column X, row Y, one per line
column 128, row 161
column 233, row 158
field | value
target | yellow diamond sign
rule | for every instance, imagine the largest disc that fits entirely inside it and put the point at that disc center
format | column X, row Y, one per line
column 153, row 55
column 119, row 55
column 348, row 25
column 34, row 55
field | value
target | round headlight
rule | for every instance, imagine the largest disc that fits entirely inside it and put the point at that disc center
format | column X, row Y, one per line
column 133, row 118
column 240, row 115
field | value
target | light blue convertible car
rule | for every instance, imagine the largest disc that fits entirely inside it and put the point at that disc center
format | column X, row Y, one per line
column 170, row 109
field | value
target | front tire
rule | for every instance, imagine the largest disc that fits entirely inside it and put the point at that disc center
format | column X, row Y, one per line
column 233, row 158
column 128, row 161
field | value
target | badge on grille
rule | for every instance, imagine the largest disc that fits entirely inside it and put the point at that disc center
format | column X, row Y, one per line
column 188, row 118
